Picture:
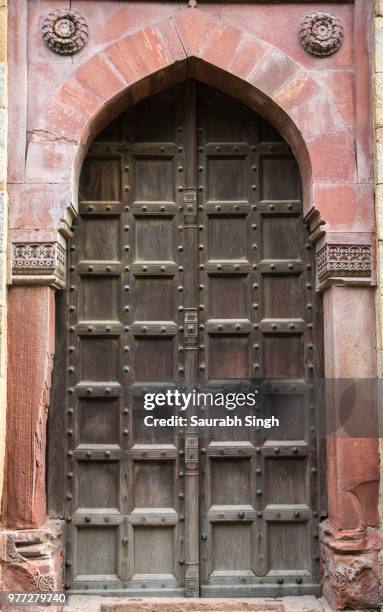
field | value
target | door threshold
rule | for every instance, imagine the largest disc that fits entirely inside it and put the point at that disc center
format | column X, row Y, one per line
column 96, row 603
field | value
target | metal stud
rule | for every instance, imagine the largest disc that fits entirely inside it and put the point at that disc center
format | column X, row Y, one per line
column 276, row 450
column 259, row 514
column 241, row 515
column 87, row 519
column 88, row 453
column 125, row 432
column 107, row 453
column 204, row 537
column 280, row 580
column 259, row 492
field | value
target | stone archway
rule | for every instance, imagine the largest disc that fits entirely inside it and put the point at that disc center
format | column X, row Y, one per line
column 198, row 45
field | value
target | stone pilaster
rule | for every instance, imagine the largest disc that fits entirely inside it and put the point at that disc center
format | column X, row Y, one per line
column 3, row 229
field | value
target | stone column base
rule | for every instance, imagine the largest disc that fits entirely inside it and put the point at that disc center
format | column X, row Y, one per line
column 31, row 560
column 352, row 565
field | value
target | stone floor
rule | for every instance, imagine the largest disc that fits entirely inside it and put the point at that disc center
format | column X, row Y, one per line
column 119, row 604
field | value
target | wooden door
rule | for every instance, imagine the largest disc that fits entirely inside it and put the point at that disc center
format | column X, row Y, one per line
column 189, row 267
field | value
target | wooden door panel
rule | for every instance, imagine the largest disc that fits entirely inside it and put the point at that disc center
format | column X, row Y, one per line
column 190, row 264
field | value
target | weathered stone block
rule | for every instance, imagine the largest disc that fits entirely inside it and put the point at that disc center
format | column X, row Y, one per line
column 352, row 574
column 31, row 560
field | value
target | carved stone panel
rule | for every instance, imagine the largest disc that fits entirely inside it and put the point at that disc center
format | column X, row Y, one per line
column 38, row 263
column 338, row 260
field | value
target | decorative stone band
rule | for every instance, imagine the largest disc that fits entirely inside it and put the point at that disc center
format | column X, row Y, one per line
column 336, row 261
column 38, row 263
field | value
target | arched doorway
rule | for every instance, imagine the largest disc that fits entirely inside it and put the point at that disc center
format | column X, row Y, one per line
column 189, row 265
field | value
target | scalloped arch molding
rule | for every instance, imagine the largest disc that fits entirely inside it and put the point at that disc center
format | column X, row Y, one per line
column 190, row 45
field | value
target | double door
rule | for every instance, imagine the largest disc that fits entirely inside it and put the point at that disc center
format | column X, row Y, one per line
column 189, row 268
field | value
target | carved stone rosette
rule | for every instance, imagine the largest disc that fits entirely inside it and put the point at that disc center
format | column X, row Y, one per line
column 65, row 31
column 321, row 34
column 342, row 260
column 38, row 263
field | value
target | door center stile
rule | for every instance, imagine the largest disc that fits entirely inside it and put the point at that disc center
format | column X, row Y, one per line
column 190, row 216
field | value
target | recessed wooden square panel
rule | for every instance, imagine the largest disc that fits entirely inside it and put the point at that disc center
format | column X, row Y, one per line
column 153, row 299
column 99, row 421
column 99, row 359
column 279, row 178
column 230, row 481
column 100, row 179
column 98, row 484
column 231, row 547
column 154, row 239
column 143, row 434
column 291, row 412
column 226, row 179
column 283, row 356
column 101, row 238
column 153, row 359
column 90, row 542
column 100, row 298
column 286, row 481
column 288, row 546
column 228, row 356
column 282, row 297
column 153, row 484
column 228, row 297
column 281, row 237
column 155, row 179
column 227, row 238
column 153, row 550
